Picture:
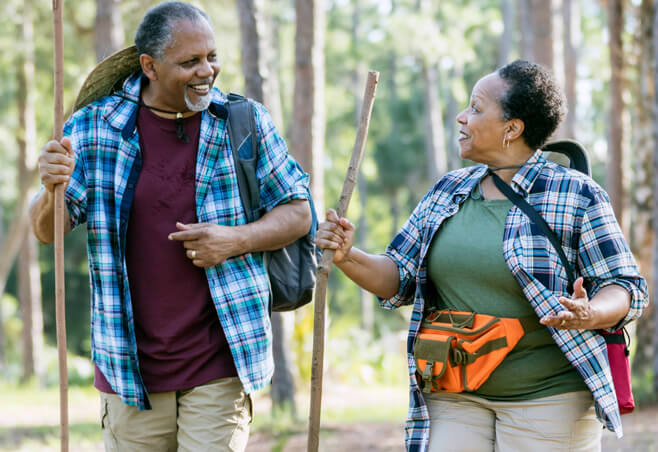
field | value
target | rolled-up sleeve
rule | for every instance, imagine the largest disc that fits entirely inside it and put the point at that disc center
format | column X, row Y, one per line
column 605, row 257
column 404, row 251
column 281, row 178
column 76, row 191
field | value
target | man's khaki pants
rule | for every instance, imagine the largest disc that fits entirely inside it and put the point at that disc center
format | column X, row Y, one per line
column 466, row 423
column 211, row 417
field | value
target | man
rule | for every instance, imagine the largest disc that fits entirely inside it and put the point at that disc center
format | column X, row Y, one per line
column 180, row 331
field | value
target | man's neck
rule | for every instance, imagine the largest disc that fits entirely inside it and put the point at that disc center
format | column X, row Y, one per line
column 150, row 100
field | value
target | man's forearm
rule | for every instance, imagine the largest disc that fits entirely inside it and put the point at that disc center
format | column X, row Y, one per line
column 42, row 217
column 279, row 227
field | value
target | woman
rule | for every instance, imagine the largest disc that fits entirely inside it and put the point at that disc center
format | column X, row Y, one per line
column 466, row 247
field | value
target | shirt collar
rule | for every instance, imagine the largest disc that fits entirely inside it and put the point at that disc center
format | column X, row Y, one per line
column 528, row 173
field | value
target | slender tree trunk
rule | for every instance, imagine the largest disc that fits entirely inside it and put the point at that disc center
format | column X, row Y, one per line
column 434, row 139
column 527, row 36
column 569, row 17
column 641, row 234
column 542, row 25
column 3, row 356
column 255, row 26
column 366, row 298
column 108, row 30
column 29, row 278
column 251, row 44
column 507, row 37
column 307, row 140
column 654, row 272
column 615, row 138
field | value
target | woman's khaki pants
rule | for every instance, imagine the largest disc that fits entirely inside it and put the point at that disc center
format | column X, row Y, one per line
column 211, row 417
column 464, row 423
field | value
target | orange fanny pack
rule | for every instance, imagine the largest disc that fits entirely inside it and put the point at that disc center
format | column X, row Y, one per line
column 457, row 351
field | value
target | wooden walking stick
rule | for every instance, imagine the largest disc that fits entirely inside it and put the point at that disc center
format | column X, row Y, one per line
column 60, row 313
column 325, row 265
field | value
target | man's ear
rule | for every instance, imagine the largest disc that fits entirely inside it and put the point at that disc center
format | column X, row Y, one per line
column 148, row 66
column 514, row 129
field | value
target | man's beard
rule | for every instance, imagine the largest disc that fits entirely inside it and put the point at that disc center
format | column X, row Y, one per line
column 200, row 105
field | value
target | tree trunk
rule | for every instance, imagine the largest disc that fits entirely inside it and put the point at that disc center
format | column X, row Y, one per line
column 3, row 355
column 507, row 38
column 542, row 26
column 29, row 277
column 108, row 30
column 434, row 138
column 654, row 270
column 615, row 138
column 642, row 180
column 527, row 36
column 569, row 19
column 307, row 133
column 366, row 298
column 255, row 26
column 251, row 44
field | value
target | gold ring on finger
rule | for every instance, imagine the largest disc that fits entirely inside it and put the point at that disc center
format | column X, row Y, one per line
column 193, row 254
column 562, row 323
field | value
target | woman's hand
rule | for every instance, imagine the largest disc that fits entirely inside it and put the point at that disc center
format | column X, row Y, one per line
column 335, row 234
column 579, row 314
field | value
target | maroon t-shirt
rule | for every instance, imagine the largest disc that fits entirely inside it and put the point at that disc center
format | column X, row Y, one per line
column 180, row 341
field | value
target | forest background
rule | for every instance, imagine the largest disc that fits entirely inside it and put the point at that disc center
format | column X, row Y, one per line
column 306, row 60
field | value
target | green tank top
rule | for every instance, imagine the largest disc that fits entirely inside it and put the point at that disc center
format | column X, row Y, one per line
column 467, row 267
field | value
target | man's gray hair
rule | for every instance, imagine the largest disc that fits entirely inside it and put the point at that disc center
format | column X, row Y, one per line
column 155, row 30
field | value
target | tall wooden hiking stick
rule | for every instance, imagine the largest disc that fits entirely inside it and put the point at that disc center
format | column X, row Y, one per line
column 327, row 259
column 60, row 313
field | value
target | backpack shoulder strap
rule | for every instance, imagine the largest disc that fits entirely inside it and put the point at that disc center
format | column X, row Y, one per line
column 244, row 146
column 539, row 221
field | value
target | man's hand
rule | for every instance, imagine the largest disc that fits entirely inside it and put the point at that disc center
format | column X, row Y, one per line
column 56, row 163
column 208, row 244
column 579, row 313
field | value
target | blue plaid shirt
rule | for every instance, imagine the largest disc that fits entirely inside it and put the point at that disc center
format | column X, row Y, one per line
column 100, row 193
column 579, row 212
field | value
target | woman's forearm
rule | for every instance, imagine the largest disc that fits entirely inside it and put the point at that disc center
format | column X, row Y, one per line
column 609, row 306
column 375, row 273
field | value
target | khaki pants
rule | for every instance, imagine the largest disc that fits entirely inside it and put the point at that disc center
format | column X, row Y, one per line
column 464, row 423
column 211, row 417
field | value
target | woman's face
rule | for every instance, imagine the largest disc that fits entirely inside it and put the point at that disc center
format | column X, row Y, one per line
column 482, row 125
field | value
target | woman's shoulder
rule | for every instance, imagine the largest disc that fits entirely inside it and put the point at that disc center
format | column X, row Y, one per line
column 560, row 178
column 456, row 179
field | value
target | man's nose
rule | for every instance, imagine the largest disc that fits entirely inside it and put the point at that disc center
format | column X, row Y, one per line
column 206, row 69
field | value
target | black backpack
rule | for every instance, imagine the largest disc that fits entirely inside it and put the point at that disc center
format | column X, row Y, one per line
column 291, row 269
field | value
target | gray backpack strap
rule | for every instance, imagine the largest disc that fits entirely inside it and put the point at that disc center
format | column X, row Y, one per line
column 244, row 146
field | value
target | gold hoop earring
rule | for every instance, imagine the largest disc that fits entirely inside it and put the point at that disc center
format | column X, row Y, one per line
column 505, row 142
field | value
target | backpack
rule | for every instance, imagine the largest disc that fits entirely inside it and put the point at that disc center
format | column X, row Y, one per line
column 292, row 269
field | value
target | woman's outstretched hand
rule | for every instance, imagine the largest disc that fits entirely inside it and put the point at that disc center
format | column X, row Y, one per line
column 578, row 314
column 336, row 234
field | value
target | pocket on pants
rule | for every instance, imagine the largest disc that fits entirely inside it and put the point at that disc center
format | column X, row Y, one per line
column 109, row 440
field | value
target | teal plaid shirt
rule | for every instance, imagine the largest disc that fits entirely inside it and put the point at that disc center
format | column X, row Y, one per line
column 100, row 192
column 579, row 212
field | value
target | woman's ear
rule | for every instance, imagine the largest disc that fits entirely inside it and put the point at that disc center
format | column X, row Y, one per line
column 148, row 66
column 514, row 129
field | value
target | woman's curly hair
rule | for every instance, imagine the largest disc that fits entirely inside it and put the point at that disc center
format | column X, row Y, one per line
column 534, row 97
